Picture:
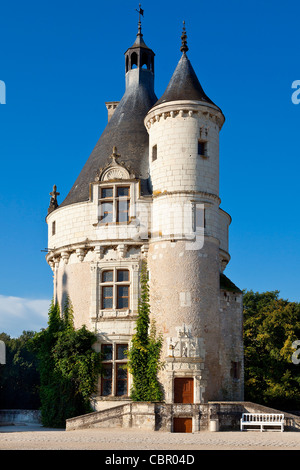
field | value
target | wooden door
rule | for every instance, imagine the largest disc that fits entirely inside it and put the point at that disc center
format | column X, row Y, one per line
column 182, row 425
column 183, row 390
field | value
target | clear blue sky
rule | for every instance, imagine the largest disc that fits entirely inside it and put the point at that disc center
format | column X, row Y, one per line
column 61, row 60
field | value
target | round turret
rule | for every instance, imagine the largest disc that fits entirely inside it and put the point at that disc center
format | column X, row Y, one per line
column 188, row 249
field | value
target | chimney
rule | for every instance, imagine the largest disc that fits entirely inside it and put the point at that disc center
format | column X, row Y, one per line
column 111, row 107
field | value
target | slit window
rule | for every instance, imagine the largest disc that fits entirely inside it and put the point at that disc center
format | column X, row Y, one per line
column 154, row 153
column 235, row 370
column 202, row 148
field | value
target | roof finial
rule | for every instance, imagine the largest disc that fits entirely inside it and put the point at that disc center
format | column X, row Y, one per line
column 184, row 48
column 53, row 200
column 140, row 12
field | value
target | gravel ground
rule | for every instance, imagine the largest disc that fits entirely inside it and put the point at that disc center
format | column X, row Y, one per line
column 39, row 438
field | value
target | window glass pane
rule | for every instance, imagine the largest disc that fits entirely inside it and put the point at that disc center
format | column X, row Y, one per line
column 106, row 388
column 121, row 372
column 123, row 297
column 106, row 350
column 107, row 212
column 107, row 276
column 123, row 275
column 107, row 371
column 106, row 192
column 121, row 387
column 123, row 191
column 107, row 380
column 121, row 348
column 123, row 211
column 121, row 381
column 107, row 301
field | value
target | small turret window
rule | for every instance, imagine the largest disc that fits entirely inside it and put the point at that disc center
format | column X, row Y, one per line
column 202, row 148
column 154, row 153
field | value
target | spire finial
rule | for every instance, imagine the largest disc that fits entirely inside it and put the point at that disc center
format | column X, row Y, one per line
column 184, row 48
column 140, row 12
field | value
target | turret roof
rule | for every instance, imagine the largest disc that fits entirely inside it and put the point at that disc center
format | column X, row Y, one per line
column 184, row 84
column 127, row 132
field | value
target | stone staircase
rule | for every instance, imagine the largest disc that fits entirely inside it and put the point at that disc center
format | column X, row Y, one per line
column 150, row 416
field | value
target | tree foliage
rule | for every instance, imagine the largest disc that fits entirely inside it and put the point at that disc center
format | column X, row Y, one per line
column 68, row 365
column 19, row 378
column 144, row 353
column 271, row 325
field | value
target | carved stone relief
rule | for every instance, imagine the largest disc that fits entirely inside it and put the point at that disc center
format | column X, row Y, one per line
column 184, row 345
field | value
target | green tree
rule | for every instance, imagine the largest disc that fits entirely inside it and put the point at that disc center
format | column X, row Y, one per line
column 19, row 377
column 271, row 325
column 144, row 353
column 69, row 367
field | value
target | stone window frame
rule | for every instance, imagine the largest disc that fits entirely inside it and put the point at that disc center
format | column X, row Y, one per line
column 115, row 362
column 115, row 283
column 96, row 313
column 115, row 201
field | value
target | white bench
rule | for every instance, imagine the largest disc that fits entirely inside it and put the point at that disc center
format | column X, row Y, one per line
column 262, row 420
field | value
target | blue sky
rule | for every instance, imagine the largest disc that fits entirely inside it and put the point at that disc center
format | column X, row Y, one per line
column 61, row 60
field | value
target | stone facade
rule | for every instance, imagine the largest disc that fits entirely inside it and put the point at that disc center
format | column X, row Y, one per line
column 172, row 219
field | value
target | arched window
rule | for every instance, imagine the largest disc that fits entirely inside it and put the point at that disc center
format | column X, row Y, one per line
column 134, row 60
column 145, row 61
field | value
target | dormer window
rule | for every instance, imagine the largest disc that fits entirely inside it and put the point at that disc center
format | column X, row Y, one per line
column 114, row 204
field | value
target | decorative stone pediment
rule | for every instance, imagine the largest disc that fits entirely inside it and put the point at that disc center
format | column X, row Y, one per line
column 114, row 170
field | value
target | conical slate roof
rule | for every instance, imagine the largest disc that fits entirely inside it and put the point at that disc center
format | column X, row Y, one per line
column 127, row 132
column 184, row 84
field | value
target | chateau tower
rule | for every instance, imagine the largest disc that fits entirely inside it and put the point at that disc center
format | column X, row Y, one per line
column 150, row 191
column 188, row 250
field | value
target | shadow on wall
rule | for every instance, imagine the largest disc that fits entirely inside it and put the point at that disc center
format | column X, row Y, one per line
column 64, row 294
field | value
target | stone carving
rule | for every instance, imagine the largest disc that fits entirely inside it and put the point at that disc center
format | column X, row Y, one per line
column 114, row 170
column 115, row 174
column 184, row 344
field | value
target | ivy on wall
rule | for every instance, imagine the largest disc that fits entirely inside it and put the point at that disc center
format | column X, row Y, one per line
column 144, row 353
column 68, row 365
